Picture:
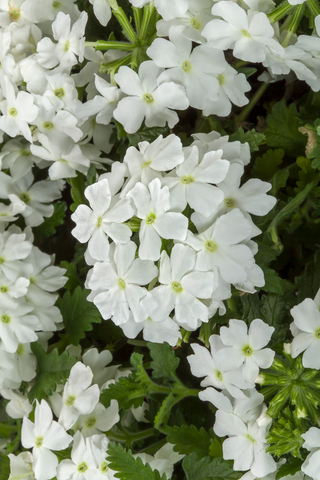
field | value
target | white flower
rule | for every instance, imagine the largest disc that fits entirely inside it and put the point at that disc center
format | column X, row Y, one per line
column 78, row 397
column 43, row 436
column 152, row 206
column 102, row 10
column 104, row 219
column 147, row 99
column 306, row 332
column 166, row 8
column 312, row 443
column 101, row 419
column 246, row 348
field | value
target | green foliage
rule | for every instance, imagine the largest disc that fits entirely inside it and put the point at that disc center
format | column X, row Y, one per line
column 126, row 391
column 78, row 314
column 207, row 468
column 4, row 467
column 72, row 274
column 188, row 439
column 309, row 282
column 48, row 227
column 285, row 436
column 283, row 129
column 306, row 173
column 266, row 167
column 128, row 467
column 164, row 362
column 252, row 137
column 292, row 466
column 52, row 370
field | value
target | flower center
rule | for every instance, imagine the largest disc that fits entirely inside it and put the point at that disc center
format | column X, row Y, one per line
column 2, row 260
column 219, row 375
column 122, row 283
column 245, row 33
column 221, row 79
column 90, row 423
column 13, row 112
column 187, row 179
column 317, row 333
column 195, row 23
column 25, row 153
column 48, row 125
column 99, row 222
column 82, row 467
column 38, row 442
column 25, row 197
column 5, row 318
column 66, row 46
column 148, row 98
column 176, row 286
column 14, row 14
column 146, row 164
column 70, row 400
column 229, row 202
column 59, row 92
column 150, row 218
column 211, row 246
column 20, row 349
column 186, row 66
column 56, row 4
column 247, row 350
column 62, row 160
column 104, row 467
column 250, row 437
column 3, row 289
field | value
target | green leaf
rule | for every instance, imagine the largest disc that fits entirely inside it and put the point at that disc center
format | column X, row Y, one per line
column 188, row 439
column 126, row 391
column 306, row 173
column 146, row 134
column 248, row 71
column 251, row 307
column 52, row 370
column 274, row 309
column 207, row 468
column 292, row 466
column 279, row 181
column 4, row 467
column 252, row 137
column 282, row 131
column 215, row 449
column 72, row 274
column 309, row 282
column 266, row 167
column 274, row 284
column 164, row 362
column 128, row 467
column 78, row 314
column 48, row 227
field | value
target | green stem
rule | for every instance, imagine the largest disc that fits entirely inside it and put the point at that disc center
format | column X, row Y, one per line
column 293, row 24
column 247, row 109
column 314, row 7
column 137, row 14
column 152, row 449
column 287, row 210
column 124, row 22
column 231, row 304
column 111, row 45
column 130, row 438
column 115, row 65
column 279, row 12
column 147, row 15
column 6, row 429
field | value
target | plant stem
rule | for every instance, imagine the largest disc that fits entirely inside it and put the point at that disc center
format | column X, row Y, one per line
column 111, row 45
column 279, row 12
column 129, row 438
column 314, row 7
column 137, row 14
column 147, row 14
column 124, row 22
column 247, row 109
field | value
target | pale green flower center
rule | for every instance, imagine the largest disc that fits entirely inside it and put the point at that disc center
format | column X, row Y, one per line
column 186, row 66
column 62, row 160
column 245, row 33
column 90, row 423
column 122, row 283
column 146, row 164
column 148, row 98
column 70, row 400
column 219, row 375
column 250, row 437
column 317, row 333
column 32, row 280
column 25, row 197
column 176, row 286
column 247, row 350
column 20, row 349
column 48, row 125
column 38, row 442
column 5, row 318
column 2, row 260
column 150, row 218
column 187, row 179
column 56, row 4
column 221, row 79
column 25, row 153
column 82, row 467
column 13, row 112
column 59, row 92
column 104, row 467
column 66, row 46
column 3, row 289
column 211, row 246
column 14, row 14
column 195, row 23
column 99, row 222
column 229, row 202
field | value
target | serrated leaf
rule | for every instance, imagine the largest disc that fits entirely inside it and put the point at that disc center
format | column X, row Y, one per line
column 306, row 173
column 252, row 137
column 282, row 131
column 71, row 274
column 273, row 283
column 126, row 391
column 251, row 307
column 164, row 362
column 188, row 439
column 52, row 370
column 146, row 134
column 215, row 449
column 207, row 468
column 309, row 282
column 274, row 309
column 266, row 166
column 78, row 314
column 292, row 466
column 279, row 180
column 4, row 467
column 48, row 227
column 128, row 467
